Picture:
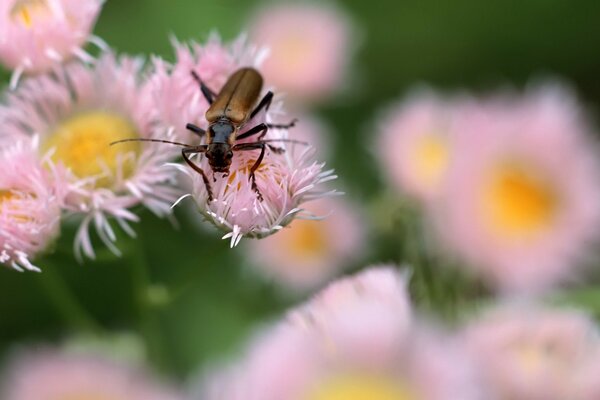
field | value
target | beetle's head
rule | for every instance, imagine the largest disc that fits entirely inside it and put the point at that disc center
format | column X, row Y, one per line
column 219, row 156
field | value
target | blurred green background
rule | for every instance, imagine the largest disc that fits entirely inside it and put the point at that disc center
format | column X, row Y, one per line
column 203, row 298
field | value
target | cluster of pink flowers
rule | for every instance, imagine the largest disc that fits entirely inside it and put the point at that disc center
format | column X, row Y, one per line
column 491, row 177
column 360, row 338
column 70, row 108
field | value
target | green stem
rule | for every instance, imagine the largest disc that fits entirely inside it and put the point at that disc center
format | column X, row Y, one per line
column 149, row 325
column 65, row 302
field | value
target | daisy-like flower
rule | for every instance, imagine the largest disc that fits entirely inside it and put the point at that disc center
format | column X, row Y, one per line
column 510, row 207
column 51, row 374
column 287, row 176
column 527, row 352
column 309, row 47
column 308, row 252
column 31, row 197
column 356, row 340
column 416, row 143
column 77, row 112
column 36, row 35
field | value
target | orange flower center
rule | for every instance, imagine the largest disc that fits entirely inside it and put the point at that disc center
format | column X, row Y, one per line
column 305, row 239
column 9, row 203
column 517, row 203
column 27, row 11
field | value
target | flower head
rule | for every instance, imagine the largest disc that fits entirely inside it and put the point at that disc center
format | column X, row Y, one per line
column 50, row 374
column 509, row 206
column 240, row 202
column 36, row 35
column 355, row 340
column 416, row 144
column 77, row 112
column 31, row 197
column 309, row 47
column 310, row 251
column 527, row 352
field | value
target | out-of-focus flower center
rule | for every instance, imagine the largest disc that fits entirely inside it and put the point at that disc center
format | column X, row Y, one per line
column 27, row 11
column 87, row 396
column 82, row 143
column 306, row 239
column 536, row 357
column 517, row 203
column 294, row 49
column 362, row 388
column 429, row 159
column 9, row 206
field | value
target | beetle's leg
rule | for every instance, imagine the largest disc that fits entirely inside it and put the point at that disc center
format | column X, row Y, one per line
column 284, row 126
column 276, row 150
column 265, row 103
column 209, row 95
column 253, row 131
column 196, row 129
column 252, row 176
column 195, row 167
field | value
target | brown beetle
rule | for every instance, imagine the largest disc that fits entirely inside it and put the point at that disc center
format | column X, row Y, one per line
column 228, row 112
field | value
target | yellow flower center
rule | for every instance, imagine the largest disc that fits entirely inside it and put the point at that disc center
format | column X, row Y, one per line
column 26, row 11
column 82, row 143
column 516, row 203
column 362, row 388
column 86, row 396
column 429, row 159
column 305, row 239
column 8, row 203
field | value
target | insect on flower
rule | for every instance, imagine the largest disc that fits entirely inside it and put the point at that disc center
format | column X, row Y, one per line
column 229, row 111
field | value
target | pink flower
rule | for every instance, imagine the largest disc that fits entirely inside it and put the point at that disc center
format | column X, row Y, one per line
column 31, row 197
column 36, row 35
column 310, row 251
column 77, row 112
column 417, row 142
column 309, row 47
column 287, row 176
column 510, row 207
column 354, row 340
column 527, row 352
column 49, row 374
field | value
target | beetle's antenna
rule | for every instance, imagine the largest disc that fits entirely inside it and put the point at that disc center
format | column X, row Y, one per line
column 282, row 140
column 151, row 140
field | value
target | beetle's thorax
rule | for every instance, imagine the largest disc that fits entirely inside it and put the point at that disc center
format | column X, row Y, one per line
column 221, row 138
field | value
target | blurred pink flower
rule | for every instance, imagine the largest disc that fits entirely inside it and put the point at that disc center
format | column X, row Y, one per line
column 36, row 35
column 52, row 375
column 77, row 112
column 527, row 352
column 310, row 251
column 510, row 207
column 309, row 48
column 30, row 204
column 354, row 340
column 310, row 129
column 416, row 143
